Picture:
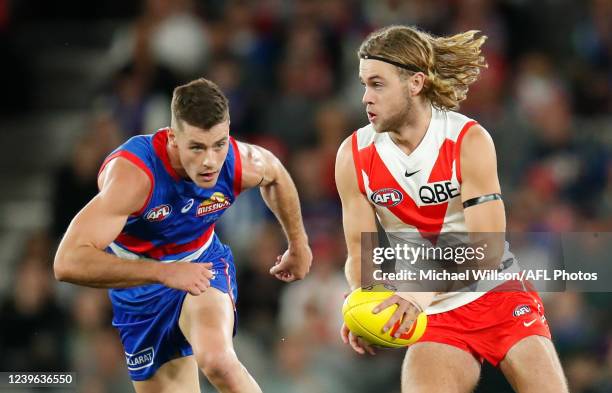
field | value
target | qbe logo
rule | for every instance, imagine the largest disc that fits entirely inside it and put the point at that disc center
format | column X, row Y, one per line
column 387, row 197
column 521, row 310
column 435, row 193
column 158, row 213
column 140, row 359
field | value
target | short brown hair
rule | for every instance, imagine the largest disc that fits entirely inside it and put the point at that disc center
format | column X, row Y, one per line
column 451, row 64
column 199, row 103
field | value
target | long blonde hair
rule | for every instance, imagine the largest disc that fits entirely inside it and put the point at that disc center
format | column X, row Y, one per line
column 450, row 63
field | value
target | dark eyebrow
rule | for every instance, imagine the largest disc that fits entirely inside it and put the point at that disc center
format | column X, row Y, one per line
column 220, row 140
column 193, row 143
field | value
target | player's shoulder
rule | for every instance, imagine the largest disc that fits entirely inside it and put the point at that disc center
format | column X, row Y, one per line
column 356, row 141
column 455, row 117
column 455, row 124
column 476, row 139
column 141, row 142
column 124, row 186
column 245, row 149
column 125, row 171
column 466, row 128
column 365, row 136
column 130, row 163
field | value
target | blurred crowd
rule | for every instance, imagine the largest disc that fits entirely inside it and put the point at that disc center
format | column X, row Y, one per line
column 290, row 71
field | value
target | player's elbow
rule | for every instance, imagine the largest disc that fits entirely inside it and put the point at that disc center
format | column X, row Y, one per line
column 62, row 266
column 273, row 169
column 60, row 270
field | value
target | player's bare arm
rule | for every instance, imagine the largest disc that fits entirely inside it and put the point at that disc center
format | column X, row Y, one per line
column 357, row 214
column 357, row 217
column 260, row 168
column 81, row 258
column 483, row 208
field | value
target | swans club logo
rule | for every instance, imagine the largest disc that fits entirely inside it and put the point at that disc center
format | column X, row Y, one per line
column 216, row 202
column 158, row 213
column 387, row 197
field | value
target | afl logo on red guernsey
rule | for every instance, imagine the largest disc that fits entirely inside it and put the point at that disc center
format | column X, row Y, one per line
column 216, row 202
column 387, row 197
column 521, row 310
column 158, row 213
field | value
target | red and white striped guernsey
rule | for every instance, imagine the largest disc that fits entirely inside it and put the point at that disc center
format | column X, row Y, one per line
column 420, row 191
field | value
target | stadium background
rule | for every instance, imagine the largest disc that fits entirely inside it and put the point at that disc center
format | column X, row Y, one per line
column 79, row 77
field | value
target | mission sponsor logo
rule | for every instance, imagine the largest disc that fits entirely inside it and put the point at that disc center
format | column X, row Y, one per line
column 140, row 359
column 216, row 202
column 387, row 197
column 158, row 213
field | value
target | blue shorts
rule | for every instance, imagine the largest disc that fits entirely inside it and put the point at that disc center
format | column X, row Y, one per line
column 149, row 325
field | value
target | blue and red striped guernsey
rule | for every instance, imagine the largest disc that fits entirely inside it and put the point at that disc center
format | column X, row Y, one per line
column 178, row 219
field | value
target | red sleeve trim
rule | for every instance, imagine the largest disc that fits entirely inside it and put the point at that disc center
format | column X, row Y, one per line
column 160, row 146
column 237, row 168
column 462, row 133
column 356, row 161
column 134, row 159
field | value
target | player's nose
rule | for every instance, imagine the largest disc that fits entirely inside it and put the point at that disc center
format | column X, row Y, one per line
column 208, row 160
column 367, row 97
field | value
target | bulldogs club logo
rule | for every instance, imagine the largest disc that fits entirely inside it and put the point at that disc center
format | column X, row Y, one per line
column 216, row 202
column 387, row 197
column 158, row 213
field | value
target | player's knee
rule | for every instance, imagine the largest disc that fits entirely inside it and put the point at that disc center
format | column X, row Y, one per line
column 219, row 367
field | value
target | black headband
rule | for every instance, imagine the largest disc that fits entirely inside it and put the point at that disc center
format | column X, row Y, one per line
column 408, row 67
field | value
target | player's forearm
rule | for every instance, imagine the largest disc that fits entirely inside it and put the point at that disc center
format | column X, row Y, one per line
column 282, row 198
column 352, row 271
column 88, row 266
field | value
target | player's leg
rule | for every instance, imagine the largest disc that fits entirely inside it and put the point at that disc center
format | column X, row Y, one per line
column 158, row 356
column 439, row 368
column 207, row 322
column 529, row 354
column 178, row 375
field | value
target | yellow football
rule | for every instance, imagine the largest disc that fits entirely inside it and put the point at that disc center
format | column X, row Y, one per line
column 358, row 317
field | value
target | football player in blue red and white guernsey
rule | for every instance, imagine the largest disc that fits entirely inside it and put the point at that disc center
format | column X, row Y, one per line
column 149, row 236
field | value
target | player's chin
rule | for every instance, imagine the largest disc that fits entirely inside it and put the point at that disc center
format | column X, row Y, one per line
column 205, row 180
column 378, row 126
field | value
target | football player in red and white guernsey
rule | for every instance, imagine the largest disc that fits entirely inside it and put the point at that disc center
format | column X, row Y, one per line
column 414, row 142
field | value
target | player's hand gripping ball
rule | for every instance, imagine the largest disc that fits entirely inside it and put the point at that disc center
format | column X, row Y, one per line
column 358, row 317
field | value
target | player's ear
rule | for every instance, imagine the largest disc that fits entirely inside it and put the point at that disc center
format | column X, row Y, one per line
column 172, row 137
column 416, row 83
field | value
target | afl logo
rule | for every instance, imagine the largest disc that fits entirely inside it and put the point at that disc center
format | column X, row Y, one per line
column 387, row 197
column 158, row 213
column 521, row 310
